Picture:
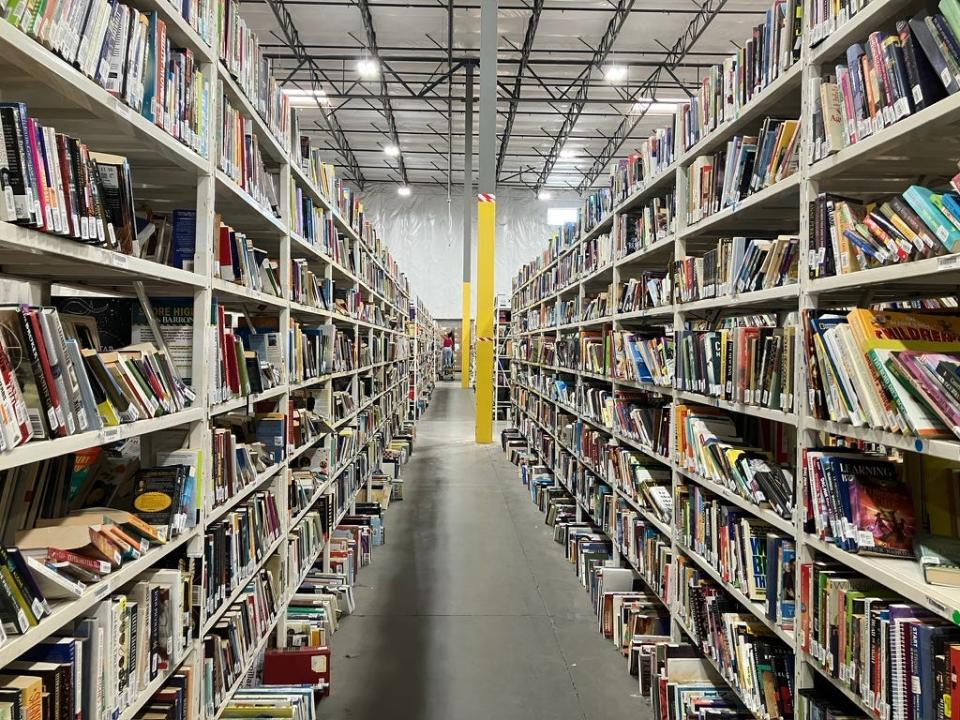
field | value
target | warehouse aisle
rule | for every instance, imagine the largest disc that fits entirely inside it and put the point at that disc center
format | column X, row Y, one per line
column 470, row 611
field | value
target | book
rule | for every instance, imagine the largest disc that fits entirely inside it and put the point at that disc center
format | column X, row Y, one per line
column 939, row 558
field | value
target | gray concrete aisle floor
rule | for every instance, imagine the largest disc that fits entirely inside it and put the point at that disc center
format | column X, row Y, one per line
column 470, row 610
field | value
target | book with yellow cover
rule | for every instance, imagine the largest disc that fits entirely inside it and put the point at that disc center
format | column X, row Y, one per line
column 881, row 330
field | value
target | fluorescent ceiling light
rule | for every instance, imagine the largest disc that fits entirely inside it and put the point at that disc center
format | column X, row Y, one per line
column 391, row 150
column 367, row 68
column 568, row 153
column 615, row 73
column 663, row 106
column 305, row 98
column 403, row 191
column 544, row 195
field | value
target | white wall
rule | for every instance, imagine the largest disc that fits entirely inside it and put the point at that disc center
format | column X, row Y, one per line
column 425, row 235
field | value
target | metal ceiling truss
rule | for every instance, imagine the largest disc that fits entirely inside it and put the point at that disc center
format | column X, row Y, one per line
column 621, row 12
column 708, row 11
column 528, row 39
column 365, row 13
column 290, row 35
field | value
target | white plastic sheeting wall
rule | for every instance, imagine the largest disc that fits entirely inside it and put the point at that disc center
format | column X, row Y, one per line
column 425, row 235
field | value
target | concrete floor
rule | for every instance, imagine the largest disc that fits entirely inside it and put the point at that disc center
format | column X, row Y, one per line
column 470, row 610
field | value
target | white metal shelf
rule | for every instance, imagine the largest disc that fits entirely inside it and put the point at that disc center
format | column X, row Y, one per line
column 37, row 450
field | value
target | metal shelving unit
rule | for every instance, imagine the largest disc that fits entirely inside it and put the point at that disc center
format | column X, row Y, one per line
column 171, row 174
column 876, row 164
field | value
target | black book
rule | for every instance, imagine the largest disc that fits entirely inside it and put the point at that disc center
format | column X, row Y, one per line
column 157, row 495
column 14, row 171
column 25, row 584
column 925, row 87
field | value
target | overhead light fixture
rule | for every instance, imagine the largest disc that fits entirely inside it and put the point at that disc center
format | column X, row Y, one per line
column 615, row 73
column 403, row 191
column 367, row 68
column 568, row 153
column 306, row 98
column 660, row 106
column 544, row 195
column 391, row 150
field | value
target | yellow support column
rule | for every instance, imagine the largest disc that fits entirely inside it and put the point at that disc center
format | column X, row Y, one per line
column 486, row 241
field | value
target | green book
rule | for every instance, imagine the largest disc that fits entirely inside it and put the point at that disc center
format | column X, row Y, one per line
column 951, row 11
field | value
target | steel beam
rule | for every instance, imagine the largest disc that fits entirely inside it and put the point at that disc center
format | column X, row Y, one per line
column 528, row 39
column 599, row 56
column 486, row 222
column 367, row 16
column 288, row 31
column 708, row 11
column 466, row 314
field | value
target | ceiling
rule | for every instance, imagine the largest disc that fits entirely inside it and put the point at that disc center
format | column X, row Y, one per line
column 415, row 43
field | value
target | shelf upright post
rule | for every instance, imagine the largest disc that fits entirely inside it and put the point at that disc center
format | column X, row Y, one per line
column 806, row 436
column 467, row 312
column 282, row 478
column 681, row 190
column 203, row 347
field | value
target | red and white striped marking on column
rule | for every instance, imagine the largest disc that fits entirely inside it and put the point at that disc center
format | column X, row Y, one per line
column 486, row 197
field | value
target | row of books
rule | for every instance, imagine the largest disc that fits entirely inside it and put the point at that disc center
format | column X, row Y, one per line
column 275, row 700
column 737, row 265
column 128, row 53
column 859, row 501
column 247, row 359
column 736, row 545
column 749, row 365
column 308, row 288
column 232, row 643
column 890, row 77
column 596, row 307
column 641, row 228
column 652, row 289
column 822, row 19
column 849, row 236
column 55, row 183
column 236, row 464
column 643, row 357
column 771, row 50
column 725, row 449
column 315, row 224
column 594, row 208
column 643, row 417
column 240, row 158
column 241, row 54
column 236, row 260
column 174, row 700
column 236, row 544
column 644, row 481
column 311, row 351
column 892, row 371
column 55, row 383
column 894, row 656
column 655, row 154
column 752, row 660
column 596, row 253
column 103, row 664
column 650, row 554
column 322, row 175
column 746, row 165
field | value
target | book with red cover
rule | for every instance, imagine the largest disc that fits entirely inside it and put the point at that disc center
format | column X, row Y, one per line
column 299, row 666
